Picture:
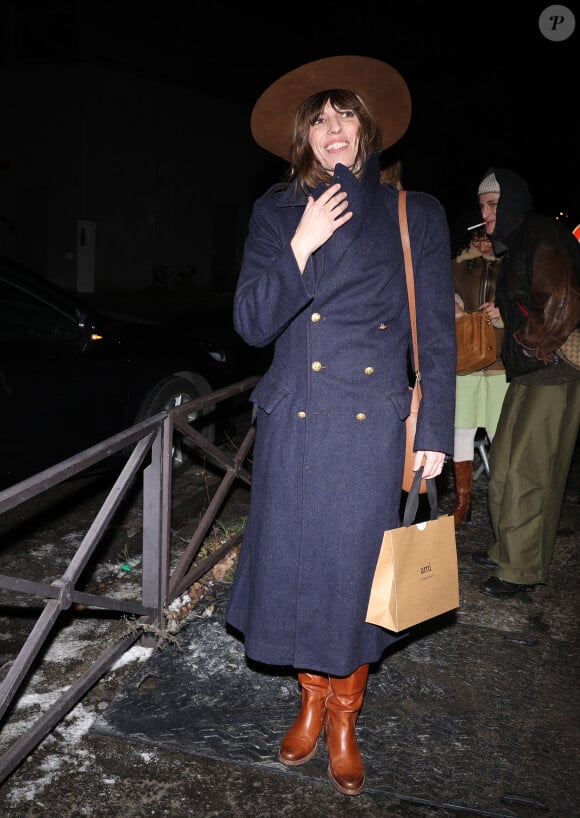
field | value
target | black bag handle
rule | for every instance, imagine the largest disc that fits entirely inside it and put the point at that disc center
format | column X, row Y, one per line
column 412, row 503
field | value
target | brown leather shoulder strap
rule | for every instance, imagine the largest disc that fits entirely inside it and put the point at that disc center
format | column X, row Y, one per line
column 406, row 242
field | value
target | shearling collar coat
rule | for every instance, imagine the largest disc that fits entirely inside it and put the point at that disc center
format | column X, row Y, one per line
column 475, row 280
column 329, row 450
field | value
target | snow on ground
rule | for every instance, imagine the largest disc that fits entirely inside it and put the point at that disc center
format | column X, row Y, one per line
column 67, row 735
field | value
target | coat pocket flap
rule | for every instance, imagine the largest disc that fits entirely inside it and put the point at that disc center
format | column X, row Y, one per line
column 402, row 402
column 268, row 393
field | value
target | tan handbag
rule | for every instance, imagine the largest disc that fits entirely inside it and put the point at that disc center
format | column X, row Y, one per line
column 416, row 577
column 475, row 338
column 411, row 422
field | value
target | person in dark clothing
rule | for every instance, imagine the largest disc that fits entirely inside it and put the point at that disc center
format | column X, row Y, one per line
column 538, row 295
column 323, row 279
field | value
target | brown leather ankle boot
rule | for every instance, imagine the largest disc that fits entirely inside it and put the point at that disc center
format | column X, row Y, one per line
column 301, row 741
column 345, row 769
column 463, row 472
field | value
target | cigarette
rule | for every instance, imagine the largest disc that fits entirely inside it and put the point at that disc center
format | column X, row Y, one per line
column 473, row 226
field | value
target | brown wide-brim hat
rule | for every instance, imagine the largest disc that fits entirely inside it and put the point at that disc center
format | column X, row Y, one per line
column 379, row 85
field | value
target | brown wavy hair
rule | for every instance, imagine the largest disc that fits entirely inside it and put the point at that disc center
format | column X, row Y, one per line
column 305, row 170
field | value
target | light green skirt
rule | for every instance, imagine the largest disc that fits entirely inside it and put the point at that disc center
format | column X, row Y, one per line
column 478, row 400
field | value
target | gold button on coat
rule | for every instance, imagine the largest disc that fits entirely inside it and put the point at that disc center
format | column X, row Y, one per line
column 369, row 370
column 316, row 366
column 301, row 414
column 383, row 326
column 315, row 317
column 360, row 416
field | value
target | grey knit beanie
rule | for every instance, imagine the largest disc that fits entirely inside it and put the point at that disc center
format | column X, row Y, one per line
column 488, row 184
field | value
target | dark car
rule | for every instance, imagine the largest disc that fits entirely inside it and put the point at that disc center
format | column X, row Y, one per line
column 72, row 376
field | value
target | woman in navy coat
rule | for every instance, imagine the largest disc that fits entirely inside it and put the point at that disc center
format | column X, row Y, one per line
column 323, row 279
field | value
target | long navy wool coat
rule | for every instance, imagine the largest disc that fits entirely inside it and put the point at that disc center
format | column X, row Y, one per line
column 329, row 449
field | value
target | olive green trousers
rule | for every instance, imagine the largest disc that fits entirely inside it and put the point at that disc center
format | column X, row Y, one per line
column 530, row 459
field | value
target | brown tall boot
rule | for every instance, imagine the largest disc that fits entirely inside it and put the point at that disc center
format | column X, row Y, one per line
column 301, row 741
column 345, row 767
column 463, row 472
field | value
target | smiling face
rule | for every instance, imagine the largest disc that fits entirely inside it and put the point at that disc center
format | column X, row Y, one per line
column 334, row 137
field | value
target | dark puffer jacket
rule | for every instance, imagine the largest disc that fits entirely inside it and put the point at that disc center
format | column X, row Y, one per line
column 538, row 290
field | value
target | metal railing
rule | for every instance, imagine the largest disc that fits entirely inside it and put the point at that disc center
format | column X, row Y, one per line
column 159, row 587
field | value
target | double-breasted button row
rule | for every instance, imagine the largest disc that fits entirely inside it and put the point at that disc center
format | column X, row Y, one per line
column 317, row 366
column 316, row 317
column 358, row 416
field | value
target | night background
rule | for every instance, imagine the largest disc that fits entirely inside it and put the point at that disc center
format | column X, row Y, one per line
column 487, row 88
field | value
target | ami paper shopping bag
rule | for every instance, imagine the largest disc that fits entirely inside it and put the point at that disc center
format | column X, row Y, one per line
column 416, row 576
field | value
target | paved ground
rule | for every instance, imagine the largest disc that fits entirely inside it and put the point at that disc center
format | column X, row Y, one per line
column 480, row 717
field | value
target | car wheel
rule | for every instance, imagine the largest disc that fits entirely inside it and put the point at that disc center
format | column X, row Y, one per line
column 176, row 390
